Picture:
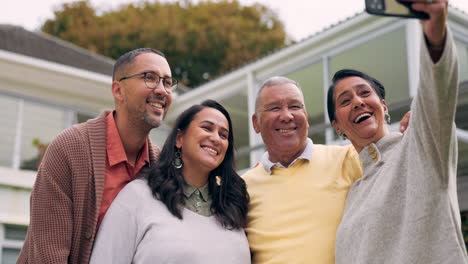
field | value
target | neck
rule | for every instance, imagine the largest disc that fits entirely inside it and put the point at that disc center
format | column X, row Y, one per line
column 359, row 146
column 194, row 176
column 132, row 136
column 285, row 158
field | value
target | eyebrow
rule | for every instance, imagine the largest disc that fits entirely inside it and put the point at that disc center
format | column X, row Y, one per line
column 293, row 101
column 361, row 85
column 211, row 123
column 151, row 71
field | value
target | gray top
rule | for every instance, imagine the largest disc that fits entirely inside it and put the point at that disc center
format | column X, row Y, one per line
column 139, row 229
column 404, row 209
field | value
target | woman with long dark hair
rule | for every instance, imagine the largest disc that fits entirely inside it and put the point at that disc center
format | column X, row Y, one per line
column 191, row 207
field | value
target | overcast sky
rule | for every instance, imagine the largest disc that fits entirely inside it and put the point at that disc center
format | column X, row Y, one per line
column 301, row 17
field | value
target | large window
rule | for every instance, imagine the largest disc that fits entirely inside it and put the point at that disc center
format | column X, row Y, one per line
column 310, row 79
column 25, row 124
column 40, row 122
column 462, row 50
column 461, row 120
column 11, row 241
column 385, row 59
column 8, row 108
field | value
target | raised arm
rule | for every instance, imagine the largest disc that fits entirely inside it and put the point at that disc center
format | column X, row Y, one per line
column 433, row 109
column 435, row 30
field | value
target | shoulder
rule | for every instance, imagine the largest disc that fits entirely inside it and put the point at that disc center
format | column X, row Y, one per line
column 154, row 152
column 135, row 192
column 258, row 169
column 334, row 152
column 345, row 156
column 333, row 148
column 78, row 135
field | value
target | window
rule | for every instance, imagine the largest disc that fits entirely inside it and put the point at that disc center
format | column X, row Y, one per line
column 26, row 123
column 310, row 79
column 8, row 108
column 462, row 52
column 11, row 242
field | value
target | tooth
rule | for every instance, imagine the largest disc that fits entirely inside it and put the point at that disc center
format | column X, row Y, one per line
column 210, row 150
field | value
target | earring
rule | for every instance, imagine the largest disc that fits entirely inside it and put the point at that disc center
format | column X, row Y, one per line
column 177, row 162
column 387, row 118
column 341, row 135
column 218, row 180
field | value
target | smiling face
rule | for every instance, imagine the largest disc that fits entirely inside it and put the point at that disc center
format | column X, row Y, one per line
column 204, row 142
column 281, row 119
column 359, row 112
column 143, row 107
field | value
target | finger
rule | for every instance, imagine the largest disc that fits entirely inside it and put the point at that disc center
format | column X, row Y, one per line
column 429, row 6
column 405, row 121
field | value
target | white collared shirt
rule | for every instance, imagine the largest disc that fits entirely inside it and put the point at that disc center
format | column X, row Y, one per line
column 306, row 154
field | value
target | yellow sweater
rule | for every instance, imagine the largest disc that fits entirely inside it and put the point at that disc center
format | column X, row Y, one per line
column 294, row 212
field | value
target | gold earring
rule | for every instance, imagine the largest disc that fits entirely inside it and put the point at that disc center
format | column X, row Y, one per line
column 218, row 180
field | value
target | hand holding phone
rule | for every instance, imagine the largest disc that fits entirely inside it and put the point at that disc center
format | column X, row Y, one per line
column 393, row 8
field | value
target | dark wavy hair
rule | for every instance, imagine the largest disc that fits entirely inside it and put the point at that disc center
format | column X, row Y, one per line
column 345, row 73
column 229, row 201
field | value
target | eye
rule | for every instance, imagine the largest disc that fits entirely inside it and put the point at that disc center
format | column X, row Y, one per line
column 344, row 102
column 206, row 128
column 296, row 107
column 223, row 135
column 274, row 108
column 149, row 77
column 365, row 93
column 167, row 82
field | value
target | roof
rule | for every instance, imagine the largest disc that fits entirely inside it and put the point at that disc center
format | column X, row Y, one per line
column 39, row 45
column 452, row 9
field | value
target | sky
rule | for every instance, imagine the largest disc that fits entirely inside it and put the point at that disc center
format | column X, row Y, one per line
column 302, row 18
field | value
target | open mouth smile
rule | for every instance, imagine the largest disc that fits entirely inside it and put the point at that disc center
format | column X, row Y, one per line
column 285, row 130
column 210, row 150
column 362, row 117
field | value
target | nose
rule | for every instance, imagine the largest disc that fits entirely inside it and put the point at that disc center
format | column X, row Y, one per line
column 215, row 138
column 286, row 115
column 357, row 102
column 159, row 89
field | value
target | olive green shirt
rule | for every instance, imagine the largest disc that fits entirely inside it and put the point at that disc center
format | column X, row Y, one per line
column 198, row 200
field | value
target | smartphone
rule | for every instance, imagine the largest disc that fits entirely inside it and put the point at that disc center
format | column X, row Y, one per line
column 393, row 8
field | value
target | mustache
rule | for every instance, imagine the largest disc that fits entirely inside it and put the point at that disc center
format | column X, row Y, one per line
column 156, row 98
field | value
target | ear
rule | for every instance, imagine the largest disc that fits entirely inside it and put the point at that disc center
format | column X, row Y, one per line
column 255, row 124
column 179, row 139
column 117, row 91
column 384, row 104
column 336, row 126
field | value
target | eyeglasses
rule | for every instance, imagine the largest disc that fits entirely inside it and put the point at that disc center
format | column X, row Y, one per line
column 152, row 80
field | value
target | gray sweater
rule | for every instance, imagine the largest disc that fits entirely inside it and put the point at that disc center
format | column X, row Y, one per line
column 404, row 209
column 139, row 229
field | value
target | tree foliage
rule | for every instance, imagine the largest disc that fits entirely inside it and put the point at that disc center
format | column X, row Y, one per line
column 201, row 40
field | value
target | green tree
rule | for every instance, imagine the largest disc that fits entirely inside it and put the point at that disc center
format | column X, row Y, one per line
column 201, row 40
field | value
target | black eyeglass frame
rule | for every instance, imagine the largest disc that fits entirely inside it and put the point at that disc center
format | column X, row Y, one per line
column 169, row 90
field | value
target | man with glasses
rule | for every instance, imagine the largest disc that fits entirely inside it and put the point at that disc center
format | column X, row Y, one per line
column 86, row 166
